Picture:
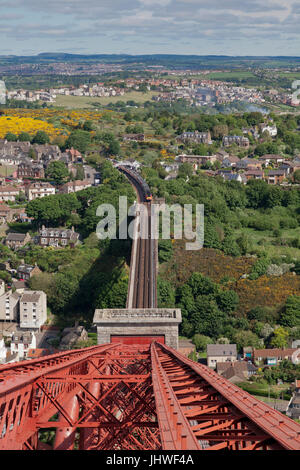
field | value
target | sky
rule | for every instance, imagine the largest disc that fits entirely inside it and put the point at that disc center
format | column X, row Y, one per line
column 201, row 27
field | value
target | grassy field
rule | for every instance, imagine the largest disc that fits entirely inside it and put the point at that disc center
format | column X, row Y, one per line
column 263, row 241
column 290, row 75
column 80, row 102
column 265, row 390
column 234, row 75
column 7, row 170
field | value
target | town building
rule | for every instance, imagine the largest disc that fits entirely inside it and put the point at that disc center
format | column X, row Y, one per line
column 271, row 159
column 21, row 343
column 248, row 164
column 74, row 155
column 26, row 271
column 74, row 186
column 270, row 129
column 196, row 137
column 134, row 137
column 272, row 357
column 235, row 372
column 236, row 139
column 28, row 169
column 276, row 176
column 9, row 306
column 230, row 176
column 255, row 174
column 293, row 409
column 9, row 193
column 290, row 166
column 58, row 237
column 33, row 309
column 17, row 240
column 36, row 353
column 230, row 161
column 6, row 214
column 220, row 353
column 196, row 160
column 37, row 190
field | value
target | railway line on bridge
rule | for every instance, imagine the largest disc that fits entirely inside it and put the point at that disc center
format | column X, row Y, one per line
column 142, row 281
column 125, row 396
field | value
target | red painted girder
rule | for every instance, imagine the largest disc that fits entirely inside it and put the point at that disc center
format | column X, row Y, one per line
column 175, row 431
column 97, row 424
column 283, row 429
column 98, row 378
column 15, row 379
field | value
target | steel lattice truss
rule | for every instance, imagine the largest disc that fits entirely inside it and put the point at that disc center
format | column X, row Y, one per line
column 116, row 397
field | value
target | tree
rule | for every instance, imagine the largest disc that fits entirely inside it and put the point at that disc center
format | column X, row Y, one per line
column 165, row 250
column 88, row 126
column 280, row 337
column 41, row 138
column 243, row 243
column 79, row 140
column 165, row 294
column 259, row 268
column 257, row 193
column 201, row 342
column 32, row 154
column 24, row 137
column 230, row 247
column 79, row 172
column 185, row 170
column 274, row 196
column 57, row 171
column 244, row 338
column 290, row 315
column 220, row 130
column 113, row 148
column 296, row 176
column 228, row 300
column 10, row 137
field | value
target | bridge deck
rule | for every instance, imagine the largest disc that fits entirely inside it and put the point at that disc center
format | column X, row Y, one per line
column 145, row 397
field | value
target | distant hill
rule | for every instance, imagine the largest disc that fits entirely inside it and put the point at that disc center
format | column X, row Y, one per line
column 163, row 60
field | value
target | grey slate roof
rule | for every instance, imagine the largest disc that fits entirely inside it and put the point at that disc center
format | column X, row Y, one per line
column 15, row 237
column 221, row 350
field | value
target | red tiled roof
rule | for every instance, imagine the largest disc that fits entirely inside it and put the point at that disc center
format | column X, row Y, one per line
column 35, row 353
column 273, row 352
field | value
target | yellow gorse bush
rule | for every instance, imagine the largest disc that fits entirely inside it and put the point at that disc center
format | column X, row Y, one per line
column 53, row 121
column 16, row 125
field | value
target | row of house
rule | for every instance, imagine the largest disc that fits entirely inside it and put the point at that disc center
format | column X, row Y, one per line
column 31, row 191
column 54, row 237
column 237, row 368
column 234, row 168
column 196, row 137
column 39, row 189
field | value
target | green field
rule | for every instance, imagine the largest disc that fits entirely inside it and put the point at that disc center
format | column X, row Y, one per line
column 291, row 75
column 263, row 241
column 7, row 170
column 80, row 102
column 234, row 75
column 265, row 390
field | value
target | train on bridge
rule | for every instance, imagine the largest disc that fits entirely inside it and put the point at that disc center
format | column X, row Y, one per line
column 138, row 180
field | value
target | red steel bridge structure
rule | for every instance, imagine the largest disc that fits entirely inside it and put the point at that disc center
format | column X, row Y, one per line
column 140, row 396
column 132, row 397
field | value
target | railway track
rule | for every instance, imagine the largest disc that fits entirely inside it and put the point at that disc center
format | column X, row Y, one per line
column 142, row 281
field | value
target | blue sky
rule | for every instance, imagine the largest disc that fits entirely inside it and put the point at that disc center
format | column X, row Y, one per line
column 229, row 27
